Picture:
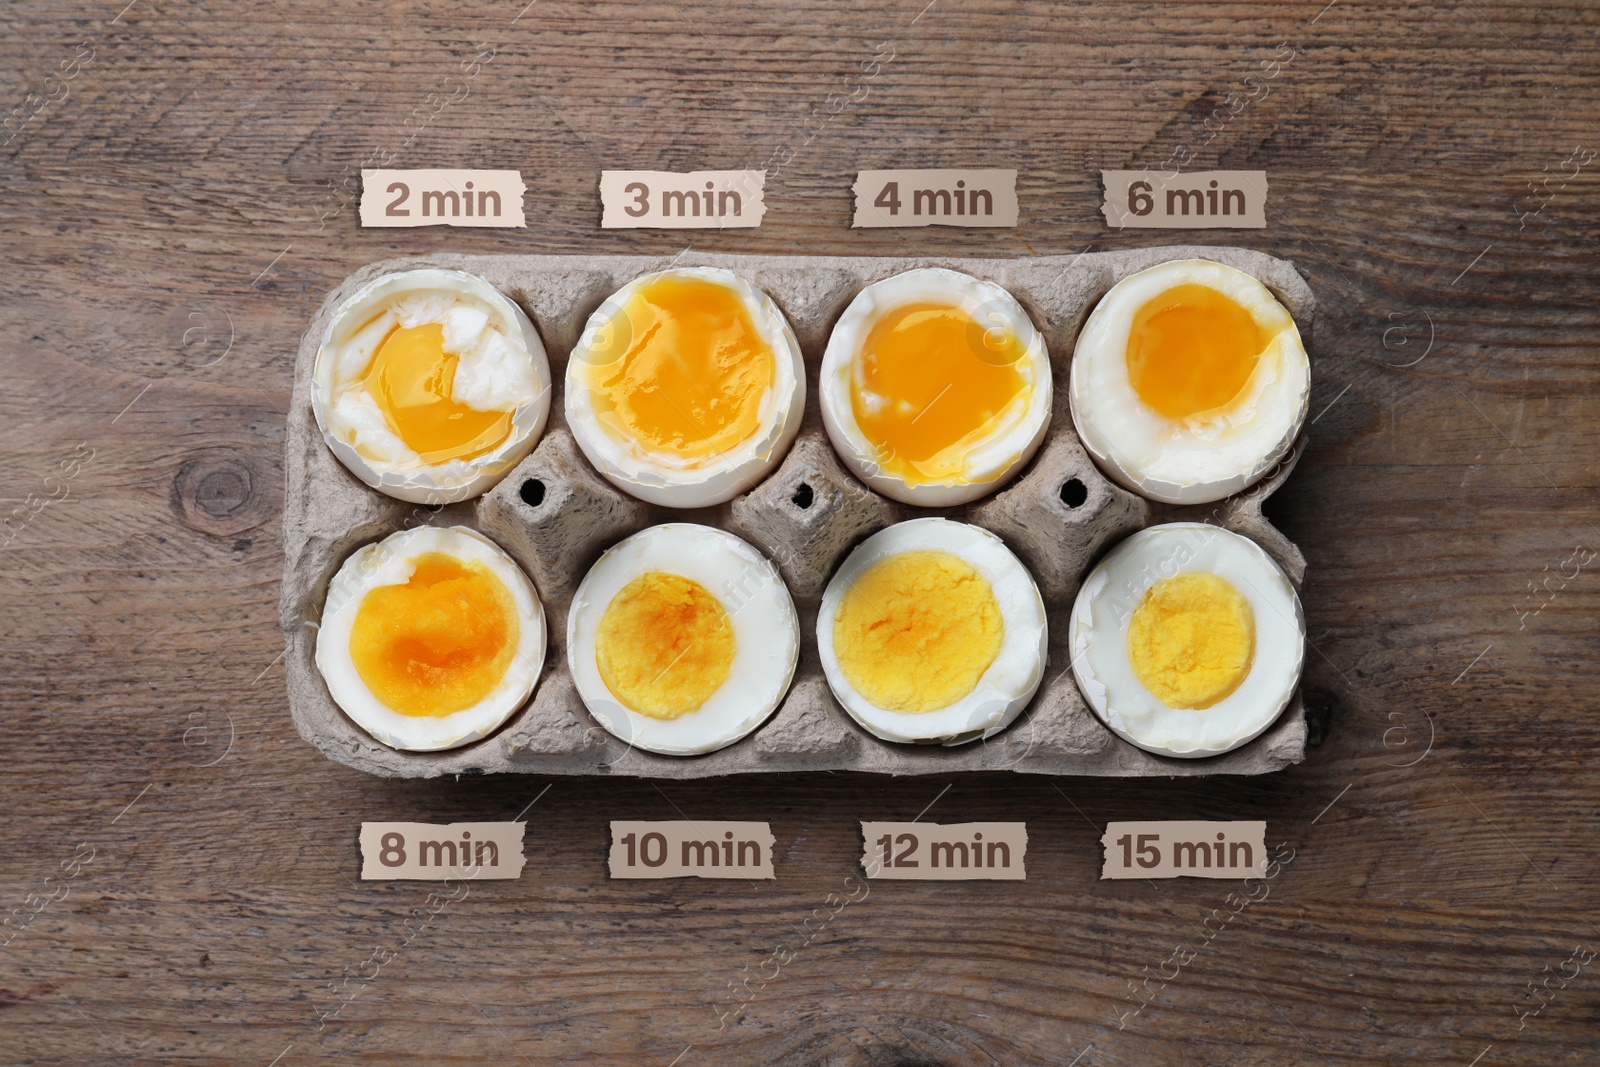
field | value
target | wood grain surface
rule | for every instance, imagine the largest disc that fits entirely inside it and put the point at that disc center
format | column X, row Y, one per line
column 178, row 866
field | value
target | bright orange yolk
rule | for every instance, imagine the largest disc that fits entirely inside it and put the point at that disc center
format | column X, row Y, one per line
column 691, row 373
column 930, row 383
column 411, row 378
column 439, row 643
column 1191, row 350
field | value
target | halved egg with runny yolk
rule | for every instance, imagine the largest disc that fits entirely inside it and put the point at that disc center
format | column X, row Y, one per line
column 925, row 394
column 686, row 387
column 682, row 639
column 932, row 631
column 411, row 379
column 695, row 373
column 430, row 385
column 935, row 387
column 430, row 638
column 1189, row 382
column 1191, row 350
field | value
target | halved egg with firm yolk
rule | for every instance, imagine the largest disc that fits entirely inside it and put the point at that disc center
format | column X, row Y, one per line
column 932, row 631
column 682, row 639
column 1187, row 639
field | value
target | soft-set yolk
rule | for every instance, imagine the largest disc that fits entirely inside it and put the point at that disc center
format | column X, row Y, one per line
column 692, row 372
column 438, row 643
column 930, row 383
column 1191, row 640
column 411, row 378
column 664, row 645
column 917, row 630
column 1192, row 350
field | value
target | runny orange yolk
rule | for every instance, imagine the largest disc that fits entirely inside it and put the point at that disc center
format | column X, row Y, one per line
column 930, row 383
column 664, row 645
column 438, row 643
column 411, row 378
column 1192, row 350
column 689, row 371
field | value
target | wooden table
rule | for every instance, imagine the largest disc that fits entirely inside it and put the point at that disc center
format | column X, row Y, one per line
column 181, row 196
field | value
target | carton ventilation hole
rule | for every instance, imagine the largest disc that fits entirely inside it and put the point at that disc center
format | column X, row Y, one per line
column 533, row 492
column 1073, row 493
column 802, row 496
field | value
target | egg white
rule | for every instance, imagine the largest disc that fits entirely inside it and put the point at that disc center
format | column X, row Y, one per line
column 501, row 366
column 392, row 561
column 1008, row 684
column 1098, row 636
column 1202, row 459
column 766, row 636
column 993, row 462
column 666, row 478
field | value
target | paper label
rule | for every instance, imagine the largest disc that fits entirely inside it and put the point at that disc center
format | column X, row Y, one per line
column 1184, row 849
column 935, row 852
column 698, row 200
column 935, row 198
column 691, row 850
column 1203, row 199
column 432, row 852
column 442, row 198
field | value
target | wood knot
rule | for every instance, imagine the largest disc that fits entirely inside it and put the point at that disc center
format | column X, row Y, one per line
column 219, row 494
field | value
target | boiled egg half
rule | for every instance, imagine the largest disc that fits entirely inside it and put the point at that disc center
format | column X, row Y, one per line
column 1187, row 640
column 935, row 387
column 430, row 385
column 686, row 387
column 431, row 638
column 1189, row 382
column 682, row 639
column 932, row 632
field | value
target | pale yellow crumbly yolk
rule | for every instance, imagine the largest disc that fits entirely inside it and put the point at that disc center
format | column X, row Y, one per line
column 690, row 381
column 411, row 379
column 1192, row 350
column 917, row 630
column 664, row 645
column 438, row 643
column 1192, row 639
column 931, row 383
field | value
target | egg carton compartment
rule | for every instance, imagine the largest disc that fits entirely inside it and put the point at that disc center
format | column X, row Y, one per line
column 555, row 515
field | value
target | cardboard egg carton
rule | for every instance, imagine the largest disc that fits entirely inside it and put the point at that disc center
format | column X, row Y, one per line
column 555, row 515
